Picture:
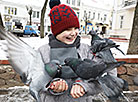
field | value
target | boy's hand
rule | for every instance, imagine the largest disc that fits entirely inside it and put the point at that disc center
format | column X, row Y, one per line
column 59, row 86
column 77, row 91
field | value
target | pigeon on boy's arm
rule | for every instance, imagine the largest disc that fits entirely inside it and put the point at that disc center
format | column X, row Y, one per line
column 88, row 69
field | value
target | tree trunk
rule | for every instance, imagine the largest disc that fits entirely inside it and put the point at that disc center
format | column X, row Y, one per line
column 1, row 22
column 42, row 19
column 133, row 43
column 30, row 19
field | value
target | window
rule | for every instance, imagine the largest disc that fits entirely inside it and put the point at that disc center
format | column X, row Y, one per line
column 78, row 14
column 105, row 16
column 84, row 13
column 68, row 1
column 10, row 10
column 49, row 27
column 73, row 2
column 6, row 10
column 36, row 14
column 30, row 28
column 121, row 21
column 89, row 16
column 15, row 11
column 78, row 2
column 98, row 16
column 93, row 15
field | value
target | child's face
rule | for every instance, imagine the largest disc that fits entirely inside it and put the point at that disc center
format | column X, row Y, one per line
column 68, row 36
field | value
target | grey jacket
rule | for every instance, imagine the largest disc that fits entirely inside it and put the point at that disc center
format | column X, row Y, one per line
column 90, row 87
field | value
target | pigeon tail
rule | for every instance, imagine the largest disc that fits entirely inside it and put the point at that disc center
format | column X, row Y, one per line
column 112, row 65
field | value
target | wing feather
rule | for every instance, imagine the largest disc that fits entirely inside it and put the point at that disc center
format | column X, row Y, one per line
column 21, row 56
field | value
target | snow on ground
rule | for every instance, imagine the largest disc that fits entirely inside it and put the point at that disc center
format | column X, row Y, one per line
column 36, row 42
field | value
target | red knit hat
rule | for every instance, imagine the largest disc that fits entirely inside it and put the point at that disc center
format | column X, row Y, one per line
column 62, row 17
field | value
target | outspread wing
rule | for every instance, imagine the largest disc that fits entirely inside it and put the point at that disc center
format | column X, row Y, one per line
column 22, row 57
column 27, row 62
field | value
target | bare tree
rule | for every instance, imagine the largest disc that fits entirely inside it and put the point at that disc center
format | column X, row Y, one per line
column 30, row 11
column 1, row 22
column 133, row 43
column 42, row 19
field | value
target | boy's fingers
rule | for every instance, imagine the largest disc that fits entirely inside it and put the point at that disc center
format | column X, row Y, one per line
column 63, row 85
column 60, row 87
column 72, row 92
column 57, row 85
column 82, row 91
column 77, row 91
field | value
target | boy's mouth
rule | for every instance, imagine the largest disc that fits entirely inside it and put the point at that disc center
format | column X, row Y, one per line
column 70, row 38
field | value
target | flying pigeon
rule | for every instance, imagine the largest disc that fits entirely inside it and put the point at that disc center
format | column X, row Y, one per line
column 27, row 62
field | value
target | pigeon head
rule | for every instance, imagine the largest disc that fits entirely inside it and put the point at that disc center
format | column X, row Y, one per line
column 72, row 62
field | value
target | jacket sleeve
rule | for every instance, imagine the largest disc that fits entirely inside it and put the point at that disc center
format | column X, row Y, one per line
column 91, row 87
column 55, row 93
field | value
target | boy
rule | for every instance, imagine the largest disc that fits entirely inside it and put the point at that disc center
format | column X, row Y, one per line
column 67, row 88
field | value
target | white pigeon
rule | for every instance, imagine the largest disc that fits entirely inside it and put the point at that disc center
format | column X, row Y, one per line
column 27, row 62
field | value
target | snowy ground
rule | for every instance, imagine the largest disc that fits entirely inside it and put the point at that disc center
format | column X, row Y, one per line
column 36, row 42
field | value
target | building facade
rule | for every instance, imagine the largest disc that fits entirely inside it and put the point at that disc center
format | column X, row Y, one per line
column 123, row 15
column 95, row 15
column 15, row 14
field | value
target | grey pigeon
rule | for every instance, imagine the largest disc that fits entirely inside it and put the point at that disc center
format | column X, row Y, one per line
column 101, row 48
column 27, row 62
column 113, row 87
column 91, row 70
column 87, row 68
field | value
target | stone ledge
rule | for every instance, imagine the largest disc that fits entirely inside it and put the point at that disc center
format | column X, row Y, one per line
column 128, row 60
column 4, row 62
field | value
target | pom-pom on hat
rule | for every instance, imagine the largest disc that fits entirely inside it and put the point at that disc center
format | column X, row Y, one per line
column 52, row 3
column 62, row 17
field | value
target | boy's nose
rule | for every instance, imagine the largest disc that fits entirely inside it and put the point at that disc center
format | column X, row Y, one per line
column 73, row 33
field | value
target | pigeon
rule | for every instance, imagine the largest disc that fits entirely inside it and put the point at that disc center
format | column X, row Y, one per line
column 27, row 62
column 54, row 68
column 113, row 87
column 91, row 70
column 101, row 48
column 87, row 68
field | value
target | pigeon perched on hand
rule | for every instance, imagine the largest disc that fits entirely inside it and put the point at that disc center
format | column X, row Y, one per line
column 87, row 69
column 27, row 62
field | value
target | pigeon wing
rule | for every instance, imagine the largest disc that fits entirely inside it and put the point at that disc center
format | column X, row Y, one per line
column 22, row 57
